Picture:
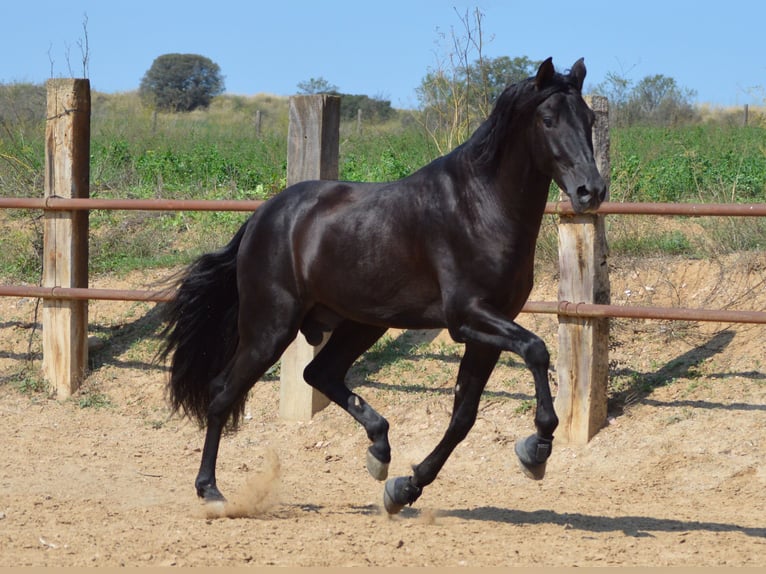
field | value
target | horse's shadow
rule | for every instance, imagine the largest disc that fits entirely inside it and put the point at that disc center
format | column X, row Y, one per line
column 32, row 353
column 373, row 363
column 640, row 389
column 683, row 366
column 115, row 340
column 635, row 526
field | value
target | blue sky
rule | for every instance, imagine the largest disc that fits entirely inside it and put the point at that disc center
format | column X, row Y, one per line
column 384, row 48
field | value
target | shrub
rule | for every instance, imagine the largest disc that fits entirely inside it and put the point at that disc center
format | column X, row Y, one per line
column 181, row 82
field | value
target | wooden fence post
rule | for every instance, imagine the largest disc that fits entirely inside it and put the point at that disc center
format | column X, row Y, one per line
column 312, row 153
column 583, row 360
column 257, row 122
column 65, row 233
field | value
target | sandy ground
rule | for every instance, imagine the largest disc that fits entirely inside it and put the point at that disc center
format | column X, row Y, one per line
column 676, row 477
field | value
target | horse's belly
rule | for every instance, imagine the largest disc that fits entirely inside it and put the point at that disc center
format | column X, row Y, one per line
column 406, row 305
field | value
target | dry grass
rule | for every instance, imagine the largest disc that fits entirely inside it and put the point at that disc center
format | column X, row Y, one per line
column 732, row 115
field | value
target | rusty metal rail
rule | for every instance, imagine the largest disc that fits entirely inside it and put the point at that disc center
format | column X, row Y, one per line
column 63, row 204
column 675, row 209
column 82, row 293
column 592, row 310
column 555, row 208
column 563, row 308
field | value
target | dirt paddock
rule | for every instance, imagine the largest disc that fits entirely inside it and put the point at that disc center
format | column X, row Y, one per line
column 676, row 477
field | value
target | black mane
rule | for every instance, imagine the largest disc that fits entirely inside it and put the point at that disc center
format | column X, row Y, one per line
column 515, row 101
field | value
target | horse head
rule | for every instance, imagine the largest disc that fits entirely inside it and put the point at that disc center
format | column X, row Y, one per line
column 563, row 145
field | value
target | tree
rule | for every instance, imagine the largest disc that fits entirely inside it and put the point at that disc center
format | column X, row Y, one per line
column 316, row 86
column 491, row 76
column 661, row 100
column 373, row 109
column 655, row 100
column 444, row 100
column 456, row 101
column 181, row 82
column 458, row 94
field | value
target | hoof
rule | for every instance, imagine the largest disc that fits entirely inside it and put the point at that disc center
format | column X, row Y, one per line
column 378, row 470
column 399, row 492
column 535, row 472
column 215, row 509
column 210, row 493
column 533, row 453
column 391, row 506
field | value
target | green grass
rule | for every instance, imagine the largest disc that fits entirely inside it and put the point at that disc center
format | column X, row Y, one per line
column 672, row 242
column 94, row 400
column 698, row 163
column 29, row 381
column 524, row 407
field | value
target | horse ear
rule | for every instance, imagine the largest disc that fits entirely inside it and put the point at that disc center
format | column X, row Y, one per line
column 577, row 73
column 544, row 74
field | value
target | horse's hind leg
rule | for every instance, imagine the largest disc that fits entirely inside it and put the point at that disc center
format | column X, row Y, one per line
column 327, row 373
column 260, row 346
column 475, row 368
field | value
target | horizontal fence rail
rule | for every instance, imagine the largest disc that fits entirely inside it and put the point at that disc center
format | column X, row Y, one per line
column 551, row 208
column 84, row 294
column 64, row 204
column 563, row 308
column 592, row 310
column 676, row 209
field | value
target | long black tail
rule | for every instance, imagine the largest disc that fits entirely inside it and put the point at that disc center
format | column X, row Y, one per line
column 201, row 330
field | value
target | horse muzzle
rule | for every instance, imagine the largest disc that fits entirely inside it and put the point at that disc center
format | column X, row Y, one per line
column 587, row 197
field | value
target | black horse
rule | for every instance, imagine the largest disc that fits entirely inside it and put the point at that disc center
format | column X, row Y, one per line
column 451, row 246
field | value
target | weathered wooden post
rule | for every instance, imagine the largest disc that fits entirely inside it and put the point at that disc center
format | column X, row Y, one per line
column 312, row 153
column 257, row 122
column 65, row 233
column 583, row 360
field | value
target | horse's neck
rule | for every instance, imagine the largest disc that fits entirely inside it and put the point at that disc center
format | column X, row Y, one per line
column 512, row 186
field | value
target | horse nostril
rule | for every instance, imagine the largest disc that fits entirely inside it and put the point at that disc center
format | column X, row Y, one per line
column 582, row 193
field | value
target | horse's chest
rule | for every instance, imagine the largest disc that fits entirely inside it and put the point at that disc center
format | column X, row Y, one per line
column 505, row 277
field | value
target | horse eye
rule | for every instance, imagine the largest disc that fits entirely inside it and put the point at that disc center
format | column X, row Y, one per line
column 548, row 121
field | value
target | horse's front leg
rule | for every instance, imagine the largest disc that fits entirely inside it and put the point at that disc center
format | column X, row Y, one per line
column 475, row 368
column 533, row 451
column 485, row 325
